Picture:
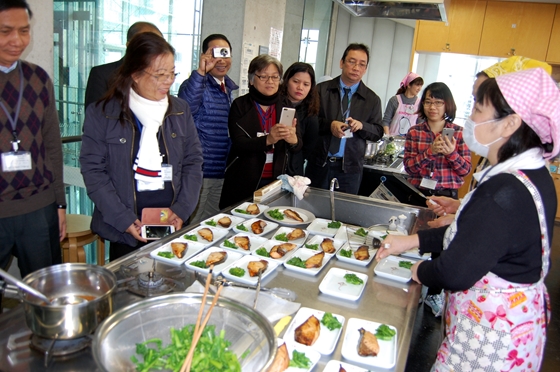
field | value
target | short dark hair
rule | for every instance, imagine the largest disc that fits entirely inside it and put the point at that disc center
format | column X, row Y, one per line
column 439, row 91
column 213, row 37
column 480, row 74
column 261, row 62
column 140, row 53
column 524, row 138
column 312, row 99
column 418, row 81
column 356, row 46
column 139, row 27
column 15, row 4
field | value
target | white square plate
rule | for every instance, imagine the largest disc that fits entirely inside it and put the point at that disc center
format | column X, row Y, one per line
column 387, row 356
column 254, row 243
column 286, row 230
column 389, row 268
column 234, row 221
column 415, row 253
column 326, row 343
column 335, row 285
column 247, row 279
column 231, row 258
column 305, row 215
column 352, row 260
column 268, row 246
column 217, row 235
column 318, row 239
column 192, row 249
column 348, row 234
column 319, row 226
column 304, row 254
column 243, row 206
column 270, row 226
column 313, row 355
column 335, row 365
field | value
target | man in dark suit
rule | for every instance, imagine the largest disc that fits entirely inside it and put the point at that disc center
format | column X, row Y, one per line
column 100, row 76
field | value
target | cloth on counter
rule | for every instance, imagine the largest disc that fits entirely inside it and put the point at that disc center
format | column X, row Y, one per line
column 296, row 185
column 272, row 307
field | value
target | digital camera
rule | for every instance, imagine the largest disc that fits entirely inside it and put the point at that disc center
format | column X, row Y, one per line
column 221, row 52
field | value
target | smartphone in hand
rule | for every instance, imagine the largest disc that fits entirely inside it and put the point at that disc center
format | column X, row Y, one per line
column 448, row 132
column 287, row 116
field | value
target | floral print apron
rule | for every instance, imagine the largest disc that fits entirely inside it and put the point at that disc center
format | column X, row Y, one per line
column 497, row 325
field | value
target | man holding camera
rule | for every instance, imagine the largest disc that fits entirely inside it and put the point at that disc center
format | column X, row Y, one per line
column 208, row 92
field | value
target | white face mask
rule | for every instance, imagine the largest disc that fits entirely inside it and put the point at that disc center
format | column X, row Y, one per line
column 470, row 138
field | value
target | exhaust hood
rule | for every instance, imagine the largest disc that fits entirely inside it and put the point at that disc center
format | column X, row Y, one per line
column 429, row 10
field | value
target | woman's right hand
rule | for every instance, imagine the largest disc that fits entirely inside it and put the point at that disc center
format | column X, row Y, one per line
column 443, row 205
column 396, row 244
column 136, row 231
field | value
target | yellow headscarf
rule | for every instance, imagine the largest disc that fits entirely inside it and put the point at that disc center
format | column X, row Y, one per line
column 515, row 63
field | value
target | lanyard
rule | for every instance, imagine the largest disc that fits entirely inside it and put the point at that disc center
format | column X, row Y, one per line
column 265, row 117
column 13, row 120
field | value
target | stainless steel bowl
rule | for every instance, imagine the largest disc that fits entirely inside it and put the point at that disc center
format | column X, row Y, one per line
column 92, row 283
column 248, row 331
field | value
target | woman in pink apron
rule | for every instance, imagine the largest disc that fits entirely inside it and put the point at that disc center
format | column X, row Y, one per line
column 402, row 109
column 495, row 254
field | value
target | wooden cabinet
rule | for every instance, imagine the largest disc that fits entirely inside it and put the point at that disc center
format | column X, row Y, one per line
column 461, row 34
column 556, row 178
column 512, row 28
column 553, row 55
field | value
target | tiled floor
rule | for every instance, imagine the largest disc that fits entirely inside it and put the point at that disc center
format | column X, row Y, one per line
column 427, row 331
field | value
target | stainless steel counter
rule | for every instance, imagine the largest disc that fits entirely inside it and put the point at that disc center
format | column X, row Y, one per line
column 383, row 300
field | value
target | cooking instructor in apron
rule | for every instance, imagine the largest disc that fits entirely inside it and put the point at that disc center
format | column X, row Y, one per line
column 495, row 255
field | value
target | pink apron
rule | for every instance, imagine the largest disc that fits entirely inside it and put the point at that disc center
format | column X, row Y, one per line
column 497, row 325
column 405, row 117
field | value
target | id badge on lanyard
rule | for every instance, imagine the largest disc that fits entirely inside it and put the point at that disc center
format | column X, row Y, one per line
column 429, row 182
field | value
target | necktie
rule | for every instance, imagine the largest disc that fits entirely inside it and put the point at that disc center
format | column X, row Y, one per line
column 223, row 86
column 335, row 141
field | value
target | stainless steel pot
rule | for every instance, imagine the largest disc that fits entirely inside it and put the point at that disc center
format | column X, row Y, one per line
column 93, row 283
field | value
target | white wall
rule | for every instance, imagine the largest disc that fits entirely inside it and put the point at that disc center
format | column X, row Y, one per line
column 40, row 49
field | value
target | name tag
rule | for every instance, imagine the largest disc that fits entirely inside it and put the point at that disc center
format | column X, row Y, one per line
column 269, row 157
column 261, row 134
column 16, row 161
column 167, row 172
column 428, row 183
column 348, row 133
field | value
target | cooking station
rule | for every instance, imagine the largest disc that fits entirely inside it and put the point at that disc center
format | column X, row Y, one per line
column 383, row 300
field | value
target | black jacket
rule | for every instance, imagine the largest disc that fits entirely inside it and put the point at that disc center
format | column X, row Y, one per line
column 365, row 106
column 98, row 81
column 309, row 128
column 248, row 152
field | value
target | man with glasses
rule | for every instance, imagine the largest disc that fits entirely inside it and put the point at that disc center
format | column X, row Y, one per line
column 350, row 114
column 208, row 92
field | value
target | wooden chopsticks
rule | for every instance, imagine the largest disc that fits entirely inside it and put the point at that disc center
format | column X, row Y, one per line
column 199, row 327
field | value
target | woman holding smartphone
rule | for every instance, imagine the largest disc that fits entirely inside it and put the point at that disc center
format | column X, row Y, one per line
column 300, row 88
column 259, row 144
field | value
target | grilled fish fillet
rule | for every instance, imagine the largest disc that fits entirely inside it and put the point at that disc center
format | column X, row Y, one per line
column 296, row 234
column 362, row 253
column 293, row 215
column 341, row 369
column 255, row 266
column 253, row 209
column 368, row 345
column 179, row 249
column 308, row 332
column 315, row 260
column 224, row 222
column 258, row 226
column 206, row 234
column 327, row 245
column 280, row 250
column 216, row 258
column 242, row 242
column 281, row 361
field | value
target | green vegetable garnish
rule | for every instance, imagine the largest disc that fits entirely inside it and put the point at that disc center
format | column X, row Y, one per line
column 312, row 246
column 330, row 322
column 385, row 333
column 382, row 237
column 166, row 254
column 262, row 252
column 334, row 225
column 361, row 232
column 201, row 264
column 353, row 279
column 276, row 214
column 229, row 244
column 191, row 237
column 346, row 253
column 241, row 227
column 296, row 261
column 282, row 237
column 405, row 264
column 211, row 223
column 299, row 360
column 237, row 271
column 241, row 211
column 211, row 352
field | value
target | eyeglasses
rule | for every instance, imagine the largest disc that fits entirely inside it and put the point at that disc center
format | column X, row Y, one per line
column 352, row 63
column 274, row 78
column 435, row 103
column 163, row 77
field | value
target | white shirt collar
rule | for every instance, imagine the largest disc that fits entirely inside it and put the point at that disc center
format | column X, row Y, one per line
column 5, row 69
